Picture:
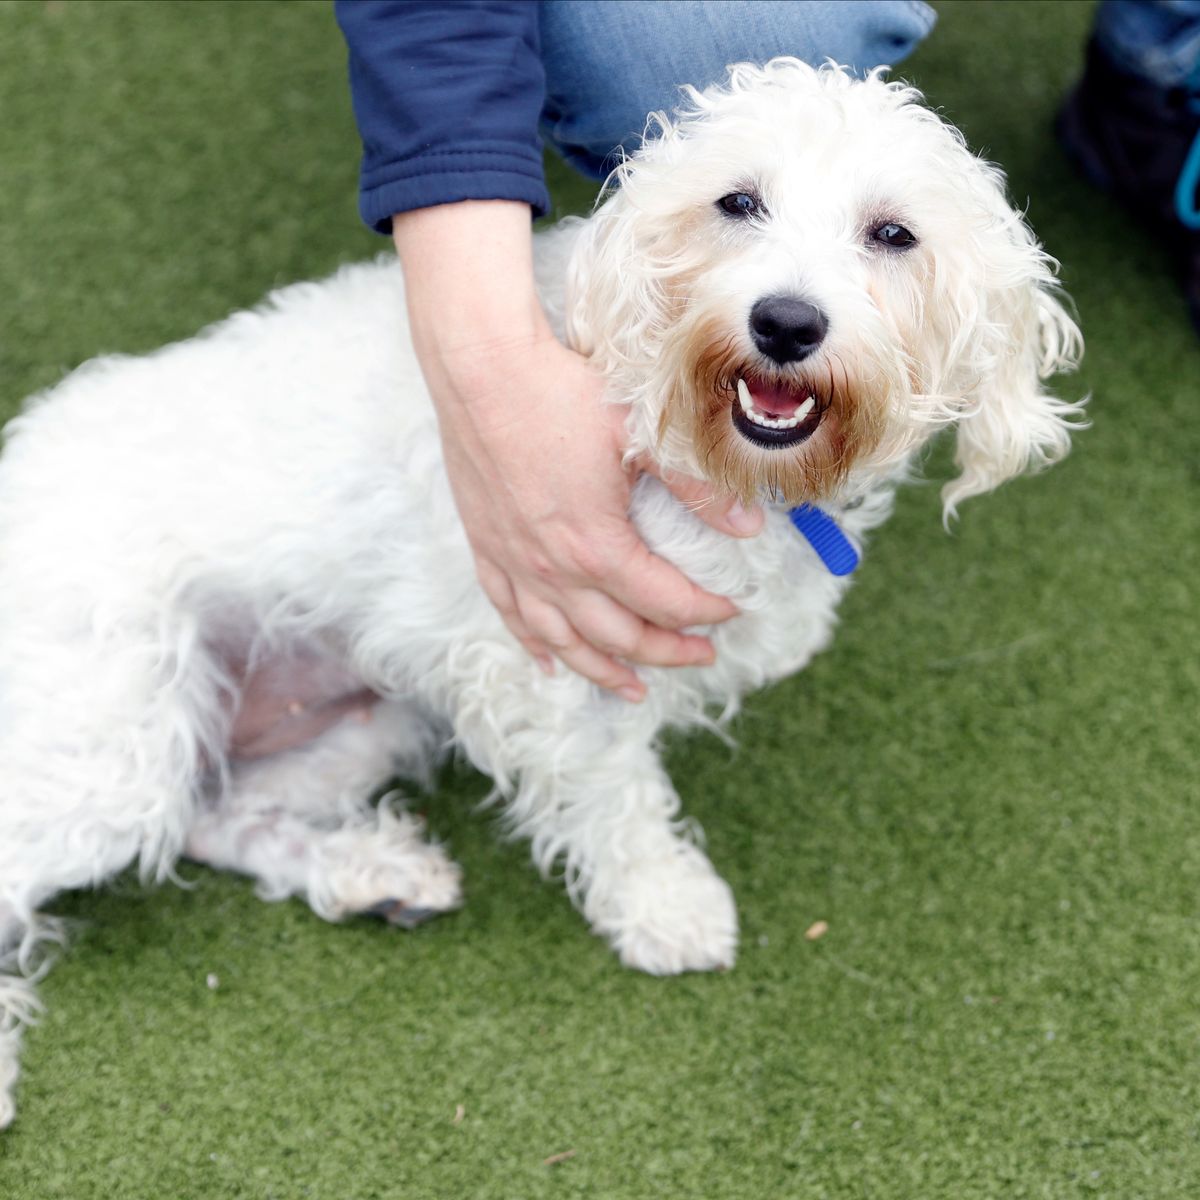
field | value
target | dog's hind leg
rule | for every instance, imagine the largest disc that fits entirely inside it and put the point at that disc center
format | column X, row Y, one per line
column 18, row 1004
column 100, row 741
column 300, row 823
column 23, row 952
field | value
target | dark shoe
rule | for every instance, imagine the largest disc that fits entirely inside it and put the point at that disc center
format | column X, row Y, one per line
column 1141, row 142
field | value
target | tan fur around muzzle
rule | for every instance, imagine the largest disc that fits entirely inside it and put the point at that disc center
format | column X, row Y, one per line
column 700, row 408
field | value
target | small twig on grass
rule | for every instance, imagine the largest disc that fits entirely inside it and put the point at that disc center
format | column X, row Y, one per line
column 986, row 653
column 562, row 1157
column 852, row 972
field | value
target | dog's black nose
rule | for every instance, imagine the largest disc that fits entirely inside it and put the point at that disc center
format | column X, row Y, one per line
column 787, row 328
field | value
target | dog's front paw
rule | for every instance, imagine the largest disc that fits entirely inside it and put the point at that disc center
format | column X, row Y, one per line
column 667, row 915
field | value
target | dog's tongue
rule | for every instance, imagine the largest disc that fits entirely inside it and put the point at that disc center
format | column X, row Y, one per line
column 774, row 400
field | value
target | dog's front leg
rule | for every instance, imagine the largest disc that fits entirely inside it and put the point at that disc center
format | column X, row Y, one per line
column 643, row 883
column 584, row 783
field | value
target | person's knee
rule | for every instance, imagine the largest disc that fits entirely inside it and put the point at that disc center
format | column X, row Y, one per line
column 608, row 65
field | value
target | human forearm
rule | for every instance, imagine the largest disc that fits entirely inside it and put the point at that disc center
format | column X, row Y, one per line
column 468, row 272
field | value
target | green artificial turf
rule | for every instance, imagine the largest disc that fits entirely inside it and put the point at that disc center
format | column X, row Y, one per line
column 987, row 787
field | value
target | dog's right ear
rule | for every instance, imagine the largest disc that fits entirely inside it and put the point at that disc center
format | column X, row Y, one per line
column 613, row 293
column 626, row 253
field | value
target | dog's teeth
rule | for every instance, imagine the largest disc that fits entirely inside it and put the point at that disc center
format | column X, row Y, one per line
column 744, row 397
column 746, row 400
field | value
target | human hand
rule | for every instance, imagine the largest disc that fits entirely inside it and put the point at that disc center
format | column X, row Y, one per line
column 535, row 460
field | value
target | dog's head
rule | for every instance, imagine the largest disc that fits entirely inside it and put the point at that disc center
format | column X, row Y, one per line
column 803, row 275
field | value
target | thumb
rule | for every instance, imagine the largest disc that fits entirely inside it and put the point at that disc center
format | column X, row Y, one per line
column 725, row 514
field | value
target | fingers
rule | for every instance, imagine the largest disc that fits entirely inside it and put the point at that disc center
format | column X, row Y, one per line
column 544, row 631
column 598, row 640
column 605, row 672
column 499, row 591
column 624, row 605
column 726, row 514
column 616, row 632
column 663, row 595
column 553, row 628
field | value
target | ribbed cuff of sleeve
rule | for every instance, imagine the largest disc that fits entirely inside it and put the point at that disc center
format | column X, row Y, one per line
column 448, row 176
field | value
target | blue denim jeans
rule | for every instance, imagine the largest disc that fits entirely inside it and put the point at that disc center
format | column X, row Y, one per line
column 1158, row 40
column 610, row 62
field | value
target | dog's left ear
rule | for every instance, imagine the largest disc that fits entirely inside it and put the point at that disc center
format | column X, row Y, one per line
column 1023, row 335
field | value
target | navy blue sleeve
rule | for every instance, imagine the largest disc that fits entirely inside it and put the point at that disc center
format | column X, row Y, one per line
column 447, row 97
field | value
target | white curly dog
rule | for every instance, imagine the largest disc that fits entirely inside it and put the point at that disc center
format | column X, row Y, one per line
column 237, row 598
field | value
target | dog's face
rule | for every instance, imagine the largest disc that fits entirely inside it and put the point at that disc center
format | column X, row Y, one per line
column 803, row 276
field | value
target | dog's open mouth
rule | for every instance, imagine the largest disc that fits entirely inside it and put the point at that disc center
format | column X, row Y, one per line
column 776, row 414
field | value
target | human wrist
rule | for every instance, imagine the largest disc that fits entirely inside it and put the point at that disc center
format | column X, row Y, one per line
column 468, row 271
column 474, row 314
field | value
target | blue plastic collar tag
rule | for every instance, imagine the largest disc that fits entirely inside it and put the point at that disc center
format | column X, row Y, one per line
column 833, row 547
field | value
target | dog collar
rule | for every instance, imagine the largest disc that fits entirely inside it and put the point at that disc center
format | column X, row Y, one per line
column 821, row 531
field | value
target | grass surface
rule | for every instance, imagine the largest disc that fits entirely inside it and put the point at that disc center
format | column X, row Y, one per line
column 986, row 787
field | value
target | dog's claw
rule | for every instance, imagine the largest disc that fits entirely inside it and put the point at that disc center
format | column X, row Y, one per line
column 396, row 912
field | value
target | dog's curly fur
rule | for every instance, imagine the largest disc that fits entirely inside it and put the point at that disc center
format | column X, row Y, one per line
column 237, row 597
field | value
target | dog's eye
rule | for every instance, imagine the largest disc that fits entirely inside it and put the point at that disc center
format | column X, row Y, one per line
column 893, row 235
column 741, row 205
